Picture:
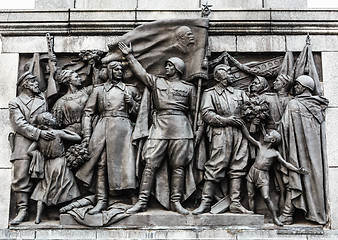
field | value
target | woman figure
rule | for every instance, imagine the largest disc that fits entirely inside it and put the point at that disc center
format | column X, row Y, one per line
column 68, row 109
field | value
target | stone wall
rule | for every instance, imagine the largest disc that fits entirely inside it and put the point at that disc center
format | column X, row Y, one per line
column 242, row 31
column 173, row 4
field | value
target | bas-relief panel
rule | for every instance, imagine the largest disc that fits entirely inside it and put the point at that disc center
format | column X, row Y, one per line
column 162, row 121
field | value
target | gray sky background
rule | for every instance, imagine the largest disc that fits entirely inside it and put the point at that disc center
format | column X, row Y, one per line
column 29, row 4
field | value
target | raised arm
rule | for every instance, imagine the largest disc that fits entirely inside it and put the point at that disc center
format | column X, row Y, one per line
column 249, row 137
column 136, row 67
column 290, row 166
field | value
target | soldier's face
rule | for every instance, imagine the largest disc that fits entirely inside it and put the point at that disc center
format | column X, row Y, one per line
column 170, row 69
column 278, row 84
column 298, row 88
column 33, row 85
column 222, row 76
column 117, row 72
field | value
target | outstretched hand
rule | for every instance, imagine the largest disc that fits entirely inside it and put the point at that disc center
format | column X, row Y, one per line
column 124, row 48
column 303, row 171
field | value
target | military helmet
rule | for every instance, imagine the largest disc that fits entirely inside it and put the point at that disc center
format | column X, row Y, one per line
column 306, row 81
column 178, row 63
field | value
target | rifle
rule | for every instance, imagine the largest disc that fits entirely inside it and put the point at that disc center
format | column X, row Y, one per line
column 51, row 86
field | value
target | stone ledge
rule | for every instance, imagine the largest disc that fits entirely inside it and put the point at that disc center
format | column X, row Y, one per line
column 157, row 218
column 117, row 22
column 203, row 234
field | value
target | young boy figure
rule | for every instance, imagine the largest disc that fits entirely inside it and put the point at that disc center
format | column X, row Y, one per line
column 259, row 172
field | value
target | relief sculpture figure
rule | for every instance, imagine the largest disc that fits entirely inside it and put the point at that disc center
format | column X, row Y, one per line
column 171, row 131
column 23, row 111
column 258, row 175
column 68, row 109
column 220, row 109
column 303, row 132
column 109, row 141
column 58, row 184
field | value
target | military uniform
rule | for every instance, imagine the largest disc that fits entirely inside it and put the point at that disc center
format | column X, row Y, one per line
column 228, row 146
column 110, row 142
column 171, row 132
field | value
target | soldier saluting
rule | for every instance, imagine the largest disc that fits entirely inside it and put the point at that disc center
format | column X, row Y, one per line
column 171, row 131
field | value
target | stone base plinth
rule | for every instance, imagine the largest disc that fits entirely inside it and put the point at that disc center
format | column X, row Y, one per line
column 158, row 218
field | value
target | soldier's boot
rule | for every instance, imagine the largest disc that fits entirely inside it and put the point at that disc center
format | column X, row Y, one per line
column 287, row 214
column 145, row 190
column 39, row 210
column 207, row 196
column 101, row 191
column 177, row 181
column 22, row 205
column 235, row 192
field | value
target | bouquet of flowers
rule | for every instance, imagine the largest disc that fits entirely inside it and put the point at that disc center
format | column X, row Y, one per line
column 256, row 111
column 76, row 156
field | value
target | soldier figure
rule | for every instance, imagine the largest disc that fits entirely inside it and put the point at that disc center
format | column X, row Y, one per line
column 171, row 131
column 110, row 142
column 23, row 111
column 220, row 109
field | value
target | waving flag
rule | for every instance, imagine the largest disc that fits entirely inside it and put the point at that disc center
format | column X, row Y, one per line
column 153, row 43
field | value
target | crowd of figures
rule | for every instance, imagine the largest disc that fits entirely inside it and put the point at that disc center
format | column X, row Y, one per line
column 87, row 142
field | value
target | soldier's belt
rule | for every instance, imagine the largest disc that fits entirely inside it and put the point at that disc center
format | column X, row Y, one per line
column 114, row 114
column 170, row 112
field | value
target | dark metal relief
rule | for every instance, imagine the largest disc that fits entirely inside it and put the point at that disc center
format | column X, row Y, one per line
column 159, row 122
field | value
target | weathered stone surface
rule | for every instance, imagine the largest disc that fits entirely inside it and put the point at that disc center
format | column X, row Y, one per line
column 240, row 15
column 261, row 44
column 222, row 43
column 238, row 4
column 323, row 43
column 265, row 234
column 62, row 44
column 99, row 15
column 289, row 4
column 76, row 44
column 148, row 15
column 106, row 4
column 331, row 136
column 54, row 4
column 330, row 76
column 8, row 77
column 158, row 218
column 65, row 234
column 21, row 16
column 21, row 234
column 333, row 196
column 5, row 129
column 167, row 5
column 5, row 189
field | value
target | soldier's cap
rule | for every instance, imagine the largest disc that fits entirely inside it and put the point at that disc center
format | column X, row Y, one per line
column 23, row 77
column 222, row 67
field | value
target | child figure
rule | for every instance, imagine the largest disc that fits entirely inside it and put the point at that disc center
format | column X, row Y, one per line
column 259, row 172
column 58, row 184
